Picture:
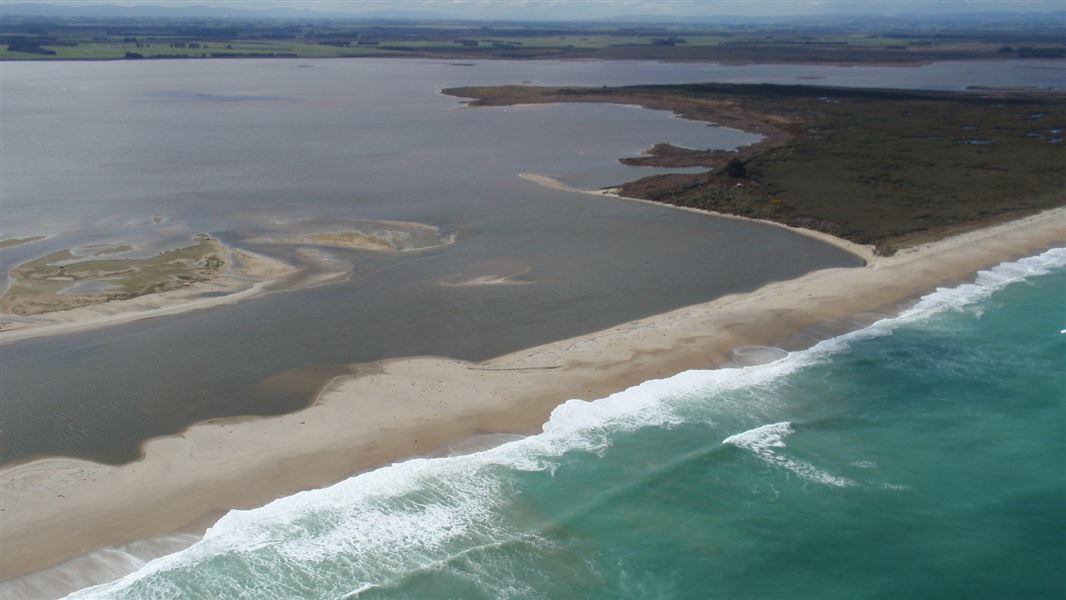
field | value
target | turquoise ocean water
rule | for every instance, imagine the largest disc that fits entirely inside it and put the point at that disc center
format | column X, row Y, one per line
column 921, row 457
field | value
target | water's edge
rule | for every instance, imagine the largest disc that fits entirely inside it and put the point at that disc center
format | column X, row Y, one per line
column 567, row 420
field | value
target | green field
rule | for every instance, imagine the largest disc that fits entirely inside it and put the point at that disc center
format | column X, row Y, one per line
column 71, row 39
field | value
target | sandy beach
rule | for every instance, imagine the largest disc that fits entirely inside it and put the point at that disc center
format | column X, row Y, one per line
column 865, row 252
column 56, row 509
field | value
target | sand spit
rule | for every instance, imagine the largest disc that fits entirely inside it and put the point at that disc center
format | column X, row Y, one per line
column 59, row 508
column 862, row 251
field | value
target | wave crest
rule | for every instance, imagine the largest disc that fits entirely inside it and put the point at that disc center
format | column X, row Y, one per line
column 404, row 515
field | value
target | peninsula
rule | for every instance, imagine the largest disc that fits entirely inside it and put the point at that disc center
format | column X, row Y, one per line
column 914, row 166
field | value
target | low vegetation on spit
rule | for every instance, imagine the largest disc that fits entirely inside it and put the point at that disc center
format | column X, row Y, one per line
column 890, row 168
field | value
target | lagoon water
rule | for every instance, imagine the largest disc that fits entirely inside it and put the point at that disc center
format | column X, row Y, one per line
column 152, row 153
column 921, row 457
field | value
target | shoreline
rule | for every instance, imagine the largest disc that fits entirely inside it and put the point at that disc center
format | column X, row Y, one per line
column 59, row 508
column 864, row 251
column 816, row 138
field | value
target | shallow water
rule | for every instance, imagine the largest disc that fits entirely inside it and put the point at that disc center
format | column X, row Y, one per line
column 152, row 153
column 919, row 457
column 98, row 154
column 86, row 287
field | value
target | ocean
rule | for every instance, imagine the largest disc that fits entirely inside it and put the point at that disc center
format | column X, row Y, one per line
column 920, row 457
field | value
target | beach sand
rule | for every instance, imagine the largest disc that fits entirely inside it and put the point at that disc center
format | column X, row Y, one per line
column 865, row 252
column 58, row 508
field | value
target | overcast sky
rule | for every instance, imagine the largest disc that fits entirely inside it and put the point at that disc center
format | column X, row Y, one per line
column 584, row 9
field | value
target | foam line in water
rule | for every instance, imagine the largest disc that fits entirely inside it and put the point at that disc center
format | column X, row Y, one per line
column 417, row 512
column 762, row 441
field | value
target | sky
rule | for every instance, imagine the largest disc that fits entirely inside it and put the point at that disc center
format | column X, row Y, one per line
column 591, row 9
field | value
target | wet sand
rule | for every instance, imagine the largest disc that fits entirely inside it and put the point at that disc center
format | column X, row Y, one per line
column 58, row 508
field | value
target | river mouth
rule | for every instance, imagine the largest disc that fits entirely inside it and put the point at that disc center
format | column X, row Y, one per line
column 356, row 142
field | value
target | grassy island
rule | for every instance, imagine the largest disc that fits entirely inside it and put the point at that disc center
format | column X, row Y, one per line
column 374, row 236
column 63, row 280
column 890, row 168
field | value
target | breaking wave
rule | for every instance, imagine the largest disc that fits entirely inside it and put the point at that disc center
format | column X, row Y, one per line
column 366, row 532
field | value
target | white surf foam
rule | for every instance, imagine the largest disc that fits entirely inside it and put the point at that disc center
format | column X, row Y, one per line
column 762, row 441
column 986, row 283
column 369, row 519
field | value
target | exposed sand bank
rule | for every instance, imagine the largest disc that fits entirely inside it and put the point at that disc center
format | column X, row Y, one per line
column 242, row 275
column 55, row 509
column 492, row 273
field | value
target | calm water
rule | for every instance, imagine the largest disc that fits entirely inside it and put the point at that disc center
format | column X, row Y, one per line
column 922, row 457
column 98, row 152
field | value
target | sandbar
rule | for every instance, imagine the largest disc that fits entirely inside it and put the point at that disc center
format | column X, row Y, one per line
column 59, row 508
